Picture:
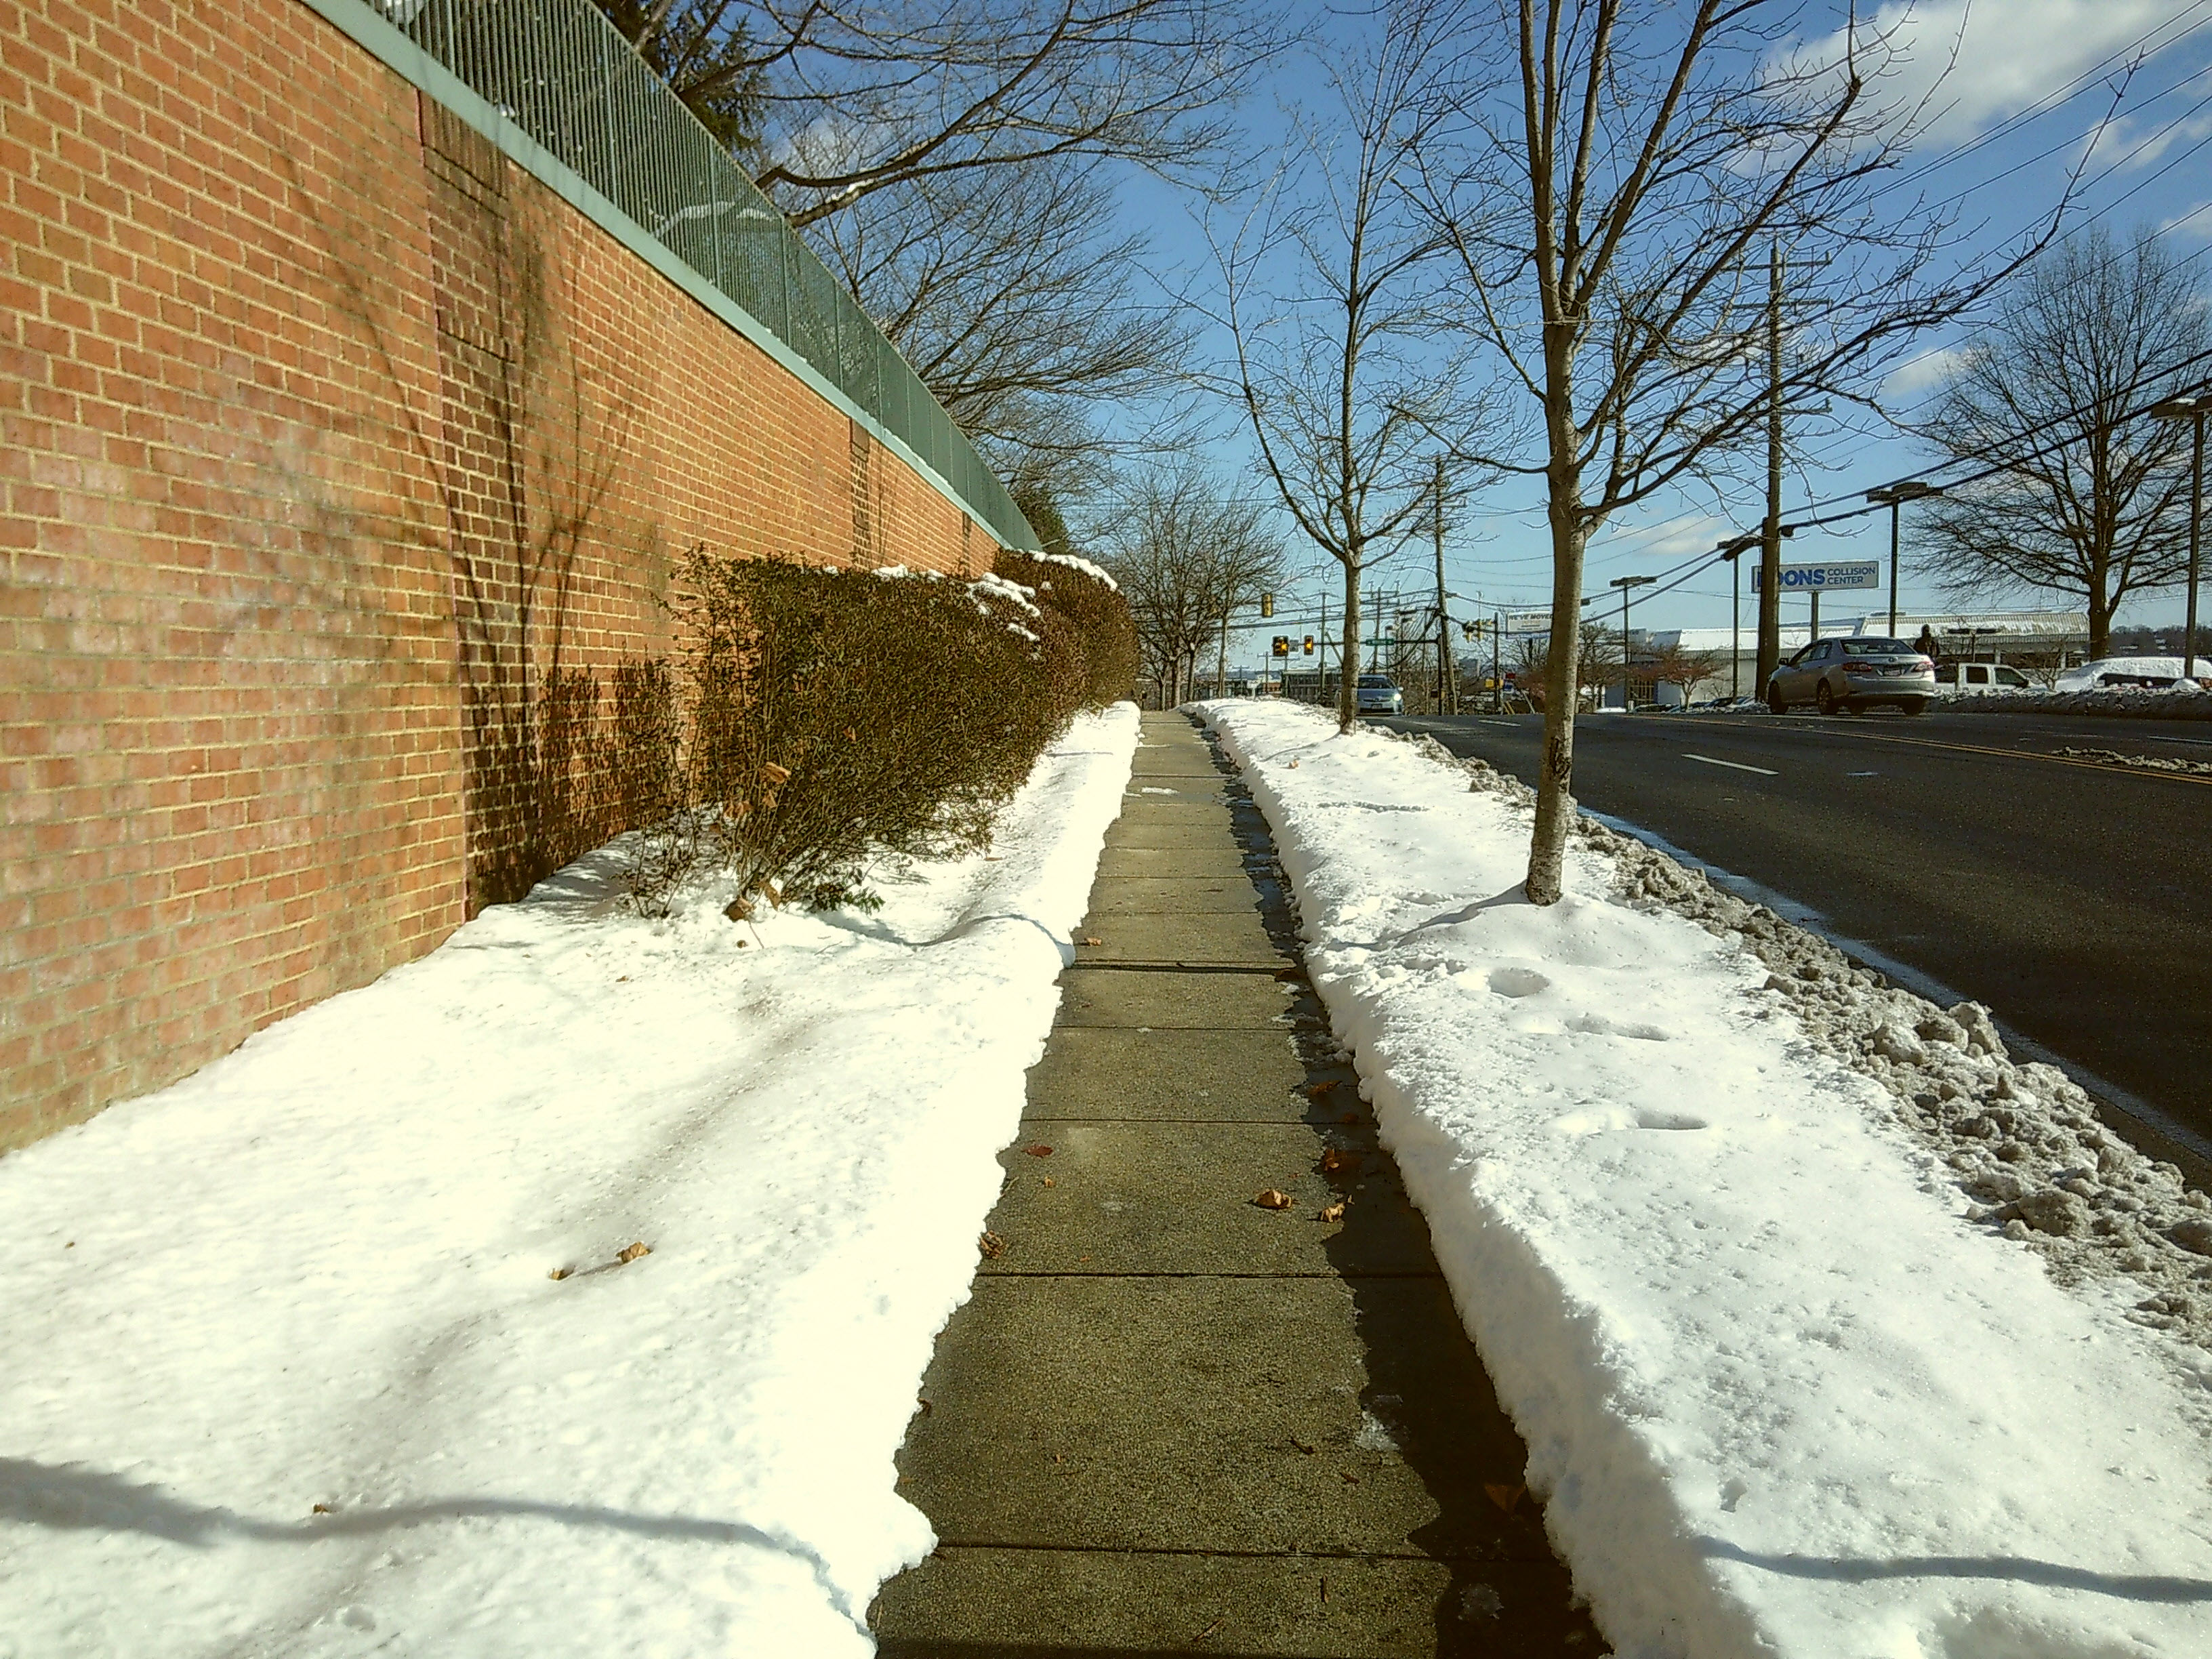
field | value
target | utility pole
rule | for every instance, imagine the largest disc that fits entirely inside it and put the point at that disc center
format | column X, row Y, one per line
column 1770, row 553
column 1446, row 703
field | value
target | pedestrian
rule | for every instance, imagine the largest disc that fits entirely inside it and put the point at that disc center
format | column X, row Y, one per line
column 1925, row 645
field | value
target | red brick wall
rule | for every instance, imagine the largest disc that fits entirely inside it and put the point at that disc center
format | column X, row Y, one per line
column 328, row 439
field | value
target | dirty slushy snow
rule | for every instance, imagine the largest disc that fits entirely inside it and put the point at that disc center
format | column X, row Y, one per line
column 1826, row 1324
column 287, row 1372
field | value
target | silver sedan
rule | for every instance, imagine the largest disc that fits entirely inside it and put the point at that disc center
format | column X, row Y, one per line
column 1851, row 672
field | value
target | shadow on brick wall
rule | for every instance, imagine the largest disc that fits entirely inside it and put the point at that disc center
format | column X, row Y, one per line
column 521, row 429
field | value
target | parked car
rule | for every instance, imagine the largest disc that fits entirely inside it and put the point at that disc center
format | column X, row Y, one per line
column 1379, row 695
column 1854, row 672
column 2155, row 673
column 1979, row 679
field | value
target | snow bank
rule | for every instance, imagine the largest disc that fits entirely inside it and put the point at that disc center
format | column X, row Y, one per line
column 289, row 1372
column 1787, row 1389
column 2180, row 701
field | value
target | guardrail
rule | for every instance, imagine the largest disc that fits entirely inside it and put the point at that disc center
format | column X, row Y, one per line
column 562, row 73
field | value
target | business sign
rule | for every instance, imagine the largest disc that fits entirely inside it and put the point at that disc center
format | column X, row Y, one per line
column 1529, row 622
column 1825, row 578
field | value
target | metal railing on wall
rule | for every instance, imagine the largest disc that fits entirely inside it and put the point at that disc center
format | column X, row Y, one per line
column 561, row 73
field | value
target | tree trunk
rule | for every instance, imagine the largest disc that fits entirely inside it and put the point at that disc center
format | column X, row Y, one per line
column 1347, row 678
column 1221, row 663
column 1555, row 805
column 2100, row 622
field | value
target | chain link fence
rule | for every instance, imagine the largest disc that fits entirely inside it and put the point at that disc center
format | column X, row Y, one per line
column 562, row 74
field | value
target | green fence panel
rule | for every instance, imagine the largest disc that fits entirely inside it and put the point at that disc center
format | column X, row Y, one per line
column 564, row 75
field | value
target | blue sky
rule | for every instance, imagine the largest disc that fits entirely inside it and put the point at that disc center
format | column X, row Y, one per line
column 2016, row 89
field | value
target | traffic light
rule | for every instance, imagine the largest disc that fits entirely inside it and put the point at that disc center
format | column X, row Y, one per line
column 1282, row 645
column 1267, row 606
column 1308, row 644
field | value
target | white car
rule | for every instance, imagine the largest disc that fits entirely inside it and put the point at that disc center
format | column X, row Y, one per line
column 1979, row 679
column 2157, row 673
column 1379, row 695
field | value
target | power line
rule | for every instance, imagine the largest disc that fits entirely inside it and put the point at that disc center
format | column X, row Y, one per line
column 2055, row 98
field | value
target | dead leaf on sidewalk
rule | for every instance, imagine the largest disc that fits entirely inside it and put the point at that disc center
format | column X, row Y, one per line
column 1504, row 1497
column 991, row 1246
column 1336, row 1159
column 1038, row 1151
column 1349, row 1117
column 1089, row 939
column 560, row 1272
column 1049, row 1182
column 1333, row 1211
column 1272, row 1199
column 630, row 1252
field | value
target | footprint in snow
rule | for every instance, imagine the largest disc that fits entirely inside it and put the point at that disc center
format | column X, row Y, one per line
column 1517, row 981
column 1598, row 1120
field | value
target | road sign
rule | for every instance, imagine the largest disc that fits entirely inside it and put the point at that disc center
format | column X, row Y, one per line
column 1825, row 578
column 1529, row 622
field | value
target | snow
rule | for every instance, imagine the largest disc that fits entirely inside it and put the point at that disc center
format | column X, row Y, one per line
column 1076, row 562
column 317, row 1276
column 2089, row 676
column 2181, row 701
column 1787, row 1389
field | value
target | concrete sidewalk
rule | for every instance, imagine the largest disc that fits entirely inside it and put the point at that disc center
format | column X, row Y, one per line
column 1172, row 1421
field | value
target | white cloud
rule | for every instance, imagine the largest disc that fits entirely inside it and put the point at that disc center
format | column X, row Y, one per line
column 2192, row 219
column 2138, row 143
column 1917, row 373
column 1977, row 62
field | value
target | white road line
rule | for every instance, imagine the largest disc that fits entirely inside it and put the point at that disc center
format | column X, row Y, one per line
column 1737, row 765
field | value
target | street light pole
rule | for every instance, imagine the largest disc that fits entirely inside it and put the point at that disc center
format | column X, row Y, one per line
column 2194, row 410
column 1894, row 496
column 1626, row 583
column 1498, row 662
column 1733, row 550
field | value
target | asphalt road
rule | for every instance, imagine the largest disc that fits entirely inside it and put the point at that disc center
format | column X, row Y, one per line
column 2074, row 897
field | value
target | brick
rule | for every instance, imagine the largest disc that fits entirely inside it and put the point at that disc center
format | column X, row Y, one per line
column 259, row 351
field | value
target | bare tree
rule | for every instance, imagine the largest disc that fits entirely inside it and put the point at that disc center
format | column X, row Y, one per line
column 838, row 102
column 2090, row 503
column 1675, row 664
column 2044, row 666
column 1332, row 296
column 704, row 50
column 1013, row 296
column 1187, row 553
column 1597, row 654
column 1629, row 177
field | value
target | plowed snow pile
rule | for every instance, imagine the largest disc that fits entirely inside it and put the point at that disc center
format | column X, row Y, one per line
column 1821, row 1317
